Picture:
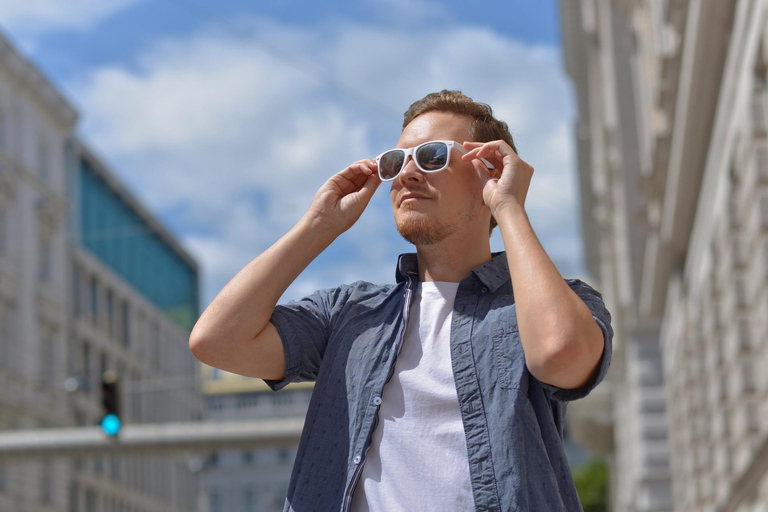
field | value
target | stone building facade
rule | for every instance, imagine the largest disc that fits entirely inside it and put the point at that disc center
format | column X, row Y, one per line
column 70, row 308
column 673, row 163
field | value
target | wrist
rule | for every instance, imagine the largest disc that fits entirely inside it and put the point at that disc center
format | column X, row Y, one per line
column 318, row 224
column 508, row 211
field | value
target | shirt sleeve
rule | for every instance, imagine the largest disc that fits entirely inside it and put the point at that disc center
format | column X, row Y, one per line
column 594, row 301
column 304, row 327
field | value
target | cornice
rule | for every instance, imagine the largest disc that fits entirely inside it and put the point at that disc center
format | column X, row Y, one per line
column 33, row 81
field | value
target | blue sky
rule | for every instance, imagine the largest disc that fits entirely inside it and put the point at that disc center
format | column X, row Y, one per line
column 225, row 117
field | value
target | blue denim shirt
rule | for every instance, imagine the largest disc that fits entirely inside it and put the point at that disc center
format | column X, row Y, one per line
column 346, row 339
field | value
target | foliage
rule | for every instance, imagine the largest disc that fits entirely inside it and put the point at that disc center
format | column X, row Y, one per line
column 591, row 481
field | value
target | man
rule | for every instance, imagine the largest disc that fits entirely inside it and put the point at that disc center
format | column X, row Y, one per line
column 447, row 390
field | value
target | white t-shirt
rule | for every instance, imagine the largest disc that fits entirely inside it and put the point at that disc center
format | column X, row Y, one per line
column 418, row 455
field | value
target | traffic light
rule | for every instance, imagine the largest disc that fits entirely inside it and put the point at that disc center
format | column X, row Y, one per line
column 110, row 399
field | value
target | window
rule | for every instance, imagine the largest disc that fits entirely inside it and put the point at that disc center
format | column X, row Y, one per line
column 136, row 401
column 94, row 301
column 90, row 501
column 3, row 231
column 86, row 365
column 76, row 276
column 3, row 141
column 43, row 160
column 154, row 341
column 215, row 498
column 46, row 483
column 7, row 335
column 45, row 260
column 125, row 319
column 47, row 358
column 110, row 313
column 249, row 501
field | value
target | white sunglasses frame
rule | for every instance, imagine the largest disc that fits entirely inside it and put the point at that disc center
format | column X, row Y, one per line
column 409, row 152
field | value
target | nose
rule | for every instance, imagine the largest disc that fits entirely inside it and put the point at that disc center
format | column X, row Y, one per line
column 410, row 173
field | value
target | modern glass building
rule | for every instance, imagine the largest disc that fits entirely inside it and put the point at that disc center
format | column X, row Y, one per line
column 115, row 228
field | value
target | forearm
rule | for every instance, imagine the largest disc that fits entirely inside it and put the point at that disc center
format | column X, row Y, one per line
column 244, row 306
column 561, row 340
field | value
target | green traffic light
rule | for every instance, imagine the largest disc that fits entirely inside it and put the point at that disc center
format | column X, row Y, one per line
column 110, row 424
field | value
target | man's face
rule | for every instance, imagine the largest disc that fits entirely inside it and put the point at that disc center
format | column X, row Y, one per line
column 430, row 207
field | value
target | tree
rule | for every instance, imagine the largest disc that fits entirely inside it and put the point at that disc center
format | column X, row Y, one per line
column 591, row 481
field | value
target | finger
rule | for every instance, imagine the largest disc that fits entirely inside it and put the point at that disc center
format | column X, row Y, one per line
column 496, row 148
column 368, row 189
column 366, row 167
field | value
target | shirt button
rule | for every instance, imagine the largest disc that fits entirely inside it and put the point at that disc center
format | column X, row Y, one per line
column 484, row 290
column 357, row 459
column 377, row 400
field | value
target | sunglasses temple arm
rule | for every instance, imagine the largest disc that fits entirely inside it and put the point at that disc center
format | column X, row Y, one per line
column 461, row 148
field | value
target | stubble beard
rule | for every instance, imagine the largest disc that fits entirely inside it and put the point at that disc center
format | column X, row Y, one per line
column 431, row 230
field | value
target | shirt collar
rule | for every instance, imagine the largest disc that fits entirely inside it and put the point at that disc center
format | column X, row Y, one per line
column 492, row 273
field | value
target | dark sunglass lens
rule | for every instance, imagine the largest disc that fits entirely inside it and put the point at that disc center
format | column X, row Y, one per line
column 432, row 156
column 390, row 163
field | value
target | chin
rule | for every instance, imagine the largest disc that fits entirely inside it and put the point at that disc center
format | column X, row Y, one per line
column 423, row 231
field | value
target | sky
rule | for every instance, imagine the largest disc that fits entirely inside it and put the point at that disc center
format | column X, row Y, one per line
column 224, row 118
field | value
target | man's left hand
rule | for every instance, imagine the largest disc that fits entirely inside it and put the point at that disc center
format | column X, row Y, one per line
column 507, row 184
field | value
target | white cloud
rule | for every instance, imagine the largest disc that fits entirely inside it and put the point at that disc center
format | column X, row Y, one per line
column 35, row 16
column 235, row 140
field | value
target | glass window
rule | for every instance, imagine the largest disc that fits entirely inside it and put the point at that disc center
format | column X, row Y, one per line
column 76, row 276
column 94, row 301
column 90, row 501
column 3, row 231
column 46, row 483
column 215, row 498
column 110, row 312
column 86, row 365
column 45, row 259
column 47, row 358
column 43, row 160
column 2, row 130
column 249, row 501
column 125, row 318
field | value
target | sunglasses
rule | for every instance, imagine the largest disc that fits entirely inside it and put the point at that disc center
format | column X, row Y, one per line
column 431, row 156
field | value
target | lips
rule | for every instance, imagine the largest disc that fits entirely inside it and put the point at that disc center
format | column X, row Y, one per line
column 411, row 195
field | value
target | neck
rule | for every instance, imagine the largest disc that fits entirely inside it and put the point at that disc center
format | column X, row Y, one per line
column 452, row 259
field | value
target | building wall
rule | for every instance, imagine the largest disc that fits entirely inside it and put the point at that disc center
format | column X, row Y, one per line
column 249, row 480
column 66, row 311
column 119, row 324
column 673, row 109
column 35, row 126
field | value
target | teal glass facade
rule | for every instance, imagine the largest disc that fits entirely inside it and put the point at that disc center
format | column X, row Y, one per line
column 116, row 234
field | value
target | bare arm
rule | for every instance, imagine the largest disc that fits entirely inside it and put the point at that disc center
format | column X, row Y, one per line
column 561, row 340
column 234, row 332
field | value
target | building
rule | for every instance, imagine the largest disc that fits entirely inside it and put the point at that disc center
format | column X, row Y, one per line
column 89, row 281
column 251, row 480
column 134, row 301
column 673, row 162
column 36, row 123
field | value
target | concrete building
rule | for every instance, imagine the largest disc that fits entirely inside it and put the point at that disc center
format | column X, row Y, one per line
column 251, row 480
column 89, row 281
column 673, row 162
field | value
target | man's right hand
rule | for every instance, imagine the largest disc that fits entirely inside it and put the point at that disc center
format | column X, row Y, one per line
column 342, row 199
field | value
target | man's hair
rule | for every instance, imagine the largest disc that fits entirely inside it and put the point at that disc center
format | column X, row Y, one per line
column 483, row 126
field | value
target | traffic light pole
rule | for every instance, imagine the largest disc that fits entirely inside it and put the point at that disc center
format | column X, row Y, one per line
column 187, row 437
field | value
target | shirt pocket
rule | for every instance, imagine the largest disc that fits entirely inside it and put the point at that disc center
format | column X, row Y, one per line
column 509, row 356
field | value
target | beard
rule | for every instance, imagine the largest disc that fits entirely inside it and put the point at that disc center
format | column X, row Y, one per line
column 429, row 230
